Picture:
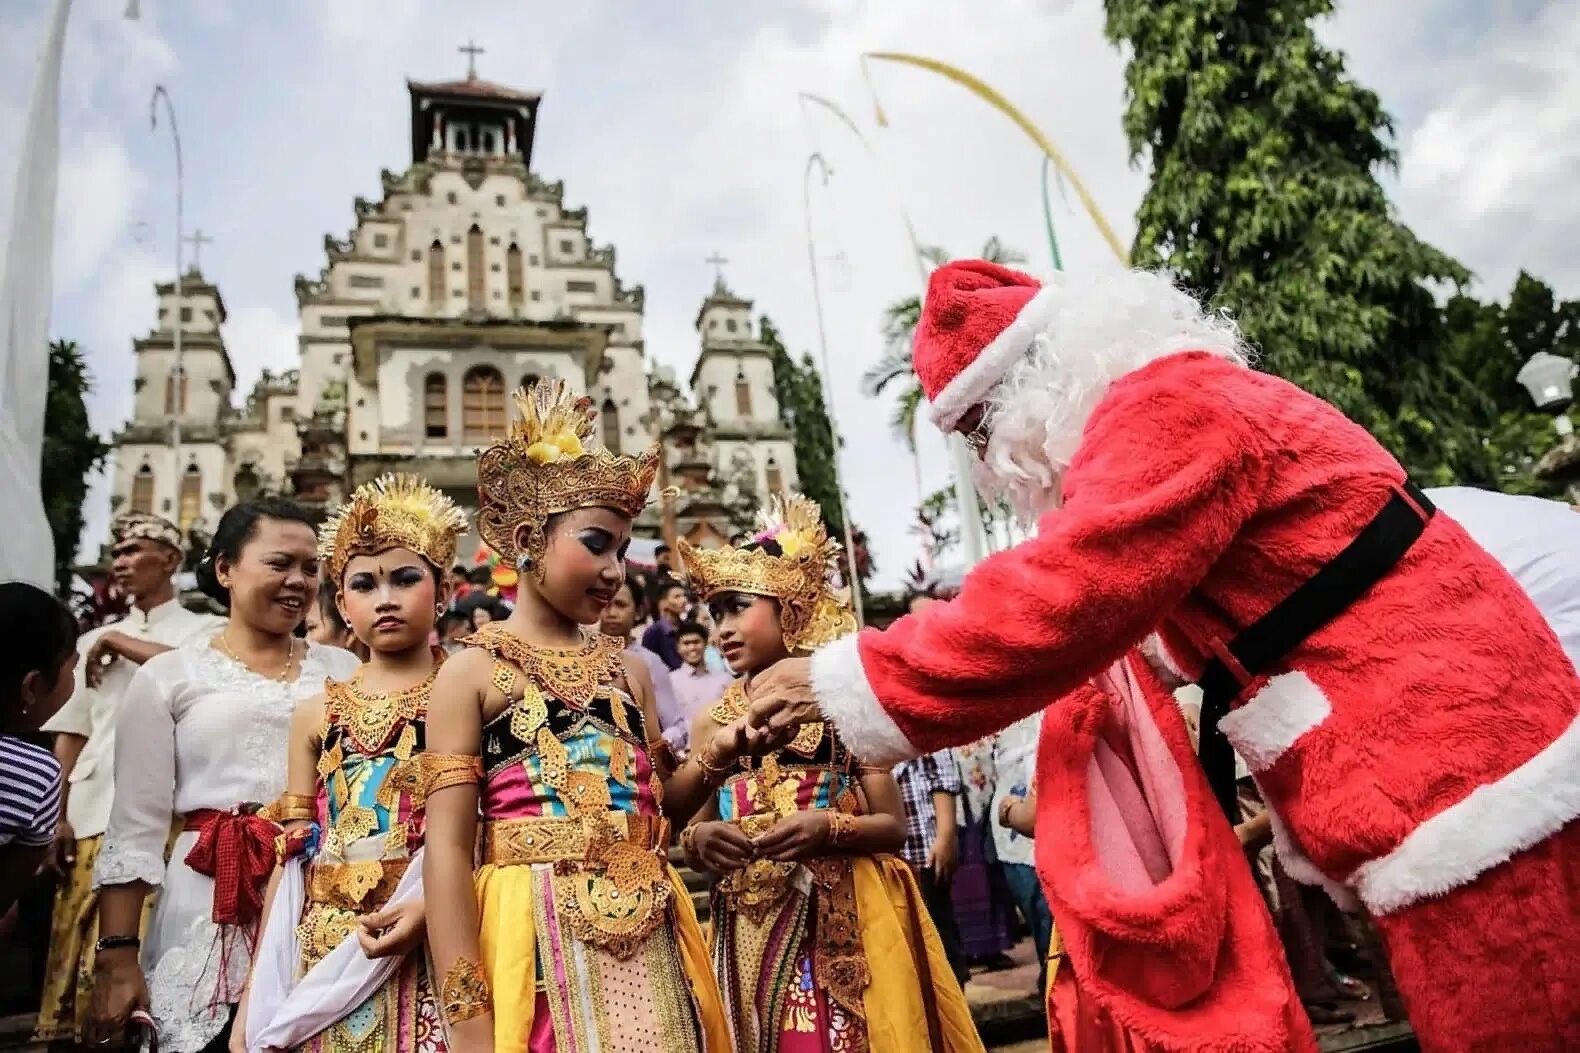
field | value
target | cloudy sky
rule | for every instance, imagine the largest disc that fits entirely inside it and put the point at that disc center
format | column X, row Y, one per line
column 678, row 126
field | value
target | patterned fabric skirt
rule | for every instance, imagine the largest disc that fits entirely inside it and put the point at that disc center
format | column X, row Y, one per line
column 767, row 961
column 556, row 993
column 984, row 908
column 74, row 929
column 402, row 1016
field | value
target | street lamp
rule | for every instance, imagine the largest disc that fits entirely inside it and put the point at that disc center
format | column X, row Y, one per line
column 1549, row 379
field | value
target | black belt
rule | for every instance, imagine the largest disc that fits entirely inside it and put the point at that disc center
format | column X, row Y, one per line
column 1345, row 578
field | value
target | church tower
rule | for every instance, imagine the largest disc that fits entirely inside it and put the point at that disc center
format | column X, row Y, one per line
column 733, row 383
column 189, row 485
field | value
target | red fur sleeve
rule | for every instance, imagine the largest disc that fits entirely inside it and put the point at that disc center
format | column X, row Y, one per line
column 1166, row 475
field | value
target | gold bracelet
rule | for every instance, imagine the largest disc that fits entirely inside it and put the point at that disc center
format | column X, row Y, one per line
column 841, row 829
column 293, row 807
column 688, row 841
column 464, row 993
column 441, row 770
column 712, row 774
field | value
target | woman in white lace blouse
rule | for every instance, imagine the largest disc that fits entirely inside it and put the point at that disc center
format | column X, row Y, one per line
column 200, row 742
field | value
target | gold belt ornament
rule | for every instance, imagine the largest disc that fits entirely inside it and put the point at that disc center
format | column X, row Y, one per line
column 611, row 872
column 350, row 885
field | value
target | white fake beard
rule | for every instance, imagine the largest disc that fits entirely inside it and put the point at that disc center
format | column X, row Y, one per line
column 1106, row 327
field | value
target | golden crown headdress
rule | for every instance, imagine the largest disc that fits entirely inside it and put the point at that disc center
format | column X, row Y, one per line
column 543, row 467
column 812, row 611
column 393, row 511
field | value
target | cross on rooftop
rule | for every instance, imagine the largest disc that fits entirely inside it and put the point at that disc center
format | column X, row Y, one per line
column 197, row 239
column 717, row 262
column 471, row 51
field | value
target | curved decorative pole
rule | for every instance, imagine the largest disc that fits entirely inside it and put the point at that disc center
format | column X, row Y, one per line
column 180, row 403
column 816, row 161
column 973, row 534
column 1004, row 106
column 1047, row 216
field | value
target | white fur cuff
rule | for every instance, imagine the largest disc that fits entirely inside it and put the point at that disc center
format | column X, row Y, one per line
column 847, row 700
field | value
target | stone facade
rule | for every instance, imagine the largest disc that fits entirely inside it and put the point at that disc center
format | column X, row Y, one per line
column 469, row 278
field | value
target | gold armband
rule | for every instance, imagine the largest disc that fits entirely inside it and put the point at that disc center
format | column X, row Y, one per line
column 293, row 807
column 841, row 829
column 440, row 770
column 464, row 992
column 688, row 841
column 712, row 774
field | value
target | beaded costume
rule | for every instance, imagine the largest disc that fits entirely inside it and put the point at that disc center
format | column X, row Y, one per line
column 838, row 953
column 366, row 818
column 587, row 935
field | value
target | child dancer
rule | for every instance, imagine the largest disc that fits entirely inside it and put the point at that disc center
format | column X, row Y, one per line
column 575, row 933
column 821, row 939
column 335, row 969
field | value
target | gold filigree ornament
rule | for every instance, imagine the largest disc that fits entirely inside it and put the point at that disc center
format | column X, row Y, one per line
column 618, row 897
column 571, row 674
column 393, row 511
column 544, row 466
column 464, row 994
column 812, row 610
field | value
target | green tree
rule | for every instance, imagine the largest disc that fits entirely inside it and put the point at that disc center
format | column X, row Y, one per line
column 798, row 388
column 895, row 370
column 1265, row 199
column 71, row 451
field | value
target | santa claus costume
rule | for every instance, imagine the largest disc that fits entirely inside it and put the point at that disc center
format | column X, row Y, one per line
column 1409, row 716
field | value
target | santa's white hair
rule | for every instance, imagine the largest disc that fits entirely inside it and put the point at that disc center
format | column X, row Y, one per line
column 1102, row 327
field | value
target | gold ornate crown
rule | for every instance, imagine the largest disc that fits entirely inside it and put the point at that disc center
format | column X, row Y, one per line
column 393, row 511
column 812, row 612
column 543, row 467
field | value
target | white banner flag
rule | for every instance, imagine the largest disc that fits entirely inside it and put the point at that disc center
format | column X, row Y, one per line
column 28, row 550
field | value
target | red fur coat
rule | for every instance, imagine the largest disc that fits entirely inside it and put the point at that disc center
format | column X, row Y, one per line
column 1407, row 750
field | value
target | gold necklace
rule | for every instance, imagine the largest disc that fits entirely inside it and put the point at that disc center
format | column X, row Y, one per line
column 290, row 656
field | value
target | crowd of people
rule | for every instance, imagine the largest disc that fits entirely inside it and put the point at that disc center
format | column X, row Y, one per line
column 379, row 807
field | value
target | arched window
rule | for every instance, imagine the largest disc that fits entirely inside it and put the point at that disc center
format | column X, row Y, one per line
column 143, row 490
column 743, row 394
column 529, row 380
column 610, row 415
column 483, row 404
column 476, row 293
column 176, row 391
column 776, row 477
column 488, row 142
column 436, row 273
column 191, row 497
column 462, row 141
column 515, row 278
column 435, row 406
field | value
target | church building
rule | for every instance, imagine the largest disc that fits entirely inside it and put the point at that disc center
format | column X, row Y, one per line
column 468, row 278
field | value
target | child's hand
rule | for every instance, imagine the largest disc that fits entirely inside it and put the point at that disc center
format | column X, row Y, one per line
column 803, row 835
column 721, row 847
column 393, row 931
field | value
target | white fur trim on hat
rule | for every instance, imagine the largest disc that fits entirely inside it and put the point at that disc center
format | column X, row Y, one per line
column 1492, row 824
column 847, row 700
column 971, row 385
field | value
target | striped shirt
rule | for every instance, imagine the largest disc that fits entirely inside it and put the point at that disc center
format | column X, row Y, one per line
column 29, row 793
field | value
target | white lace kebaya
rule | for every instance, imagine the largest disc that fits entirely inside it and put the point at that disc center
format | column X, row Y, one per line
column 196, row 731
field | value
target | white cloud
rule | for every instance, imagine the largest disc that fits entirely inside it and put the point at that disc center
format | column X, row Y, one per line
column 97, row 193
column 260, row 338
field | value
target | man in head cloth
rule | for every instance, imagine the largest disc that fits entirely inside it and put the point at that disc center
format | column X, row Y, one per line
column 145, row 553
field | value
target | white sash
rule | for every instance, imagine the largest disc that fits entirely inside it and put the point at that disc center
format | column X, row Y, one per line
column 283, row 1012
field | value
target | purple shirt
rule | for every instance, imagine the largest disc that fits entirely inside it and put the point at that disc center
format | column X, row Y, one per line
column 696, row 690
column 661, row 638
column 671, row 723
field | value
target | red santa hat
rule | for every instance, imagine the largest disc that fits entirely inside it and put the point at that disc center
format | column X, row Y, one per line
column 978, row 320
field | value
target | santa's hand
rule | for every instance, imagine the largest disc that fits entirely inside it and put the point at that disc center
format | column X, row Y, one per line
column 782, row 700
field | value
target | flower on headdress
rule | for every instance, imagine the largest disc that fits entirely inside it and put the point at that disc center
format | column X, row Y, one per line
column 791, row 544
column 568, row 442
column 544, row 452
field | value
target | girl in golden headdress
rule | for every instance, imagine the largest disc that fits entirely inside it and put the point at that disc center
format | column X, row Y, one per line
column 339, row 964
column 821, row 940
column 575, row 933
